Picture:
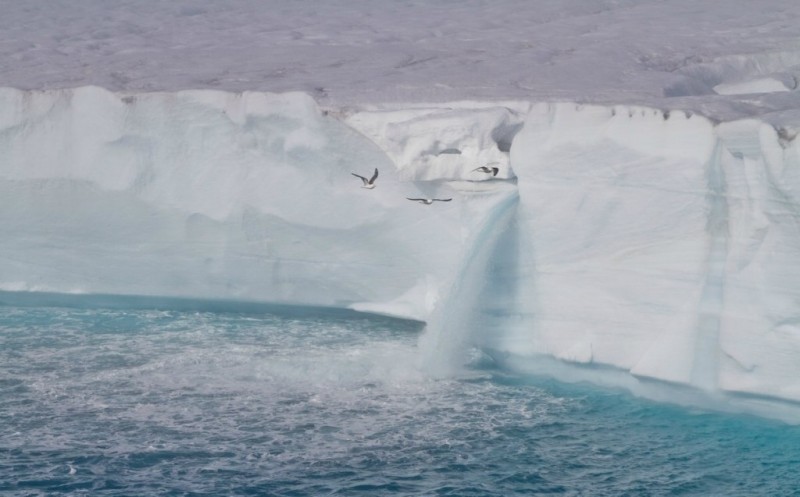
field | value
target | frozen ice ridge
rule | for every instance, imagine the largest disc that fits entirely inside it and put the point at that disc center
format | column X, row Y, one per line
column 662, row 246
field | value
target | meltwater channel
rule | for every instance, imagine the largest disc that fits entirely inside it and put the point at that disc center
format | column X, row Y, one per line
column 130, row 400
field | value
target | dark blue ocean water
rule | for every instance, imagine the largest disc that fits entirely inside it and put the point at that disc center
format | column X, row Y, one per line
column 145, row 402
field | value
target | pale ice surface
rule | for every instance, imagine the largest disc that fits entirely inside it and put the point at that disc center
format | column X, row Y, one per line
column 352, row 52
column 643, row 219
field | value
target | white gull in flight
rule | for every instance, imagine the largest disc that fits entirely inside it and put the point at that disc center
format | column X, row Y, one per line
column 486, row 169
column 429, row 201
column 368, row 183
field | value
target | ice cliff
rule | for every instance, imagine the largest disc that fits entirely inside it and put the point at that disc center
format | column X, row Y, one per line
column 661, row 245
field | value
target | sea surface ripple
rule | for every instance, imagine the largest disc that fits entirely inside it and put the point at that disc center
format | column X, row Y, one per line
column 114, row 402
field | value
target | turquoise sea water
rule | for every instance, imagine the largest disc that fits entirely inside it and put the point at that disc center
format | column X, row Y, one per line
column 99, row 401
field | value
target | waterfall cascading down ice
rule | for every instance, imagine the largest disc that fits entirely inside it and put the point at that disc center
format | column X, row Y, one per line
column 462, row 319
column 658, row 245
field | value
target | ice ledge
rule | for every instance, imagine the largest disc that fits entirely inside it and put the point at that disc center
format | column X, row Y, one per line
column 773, row 407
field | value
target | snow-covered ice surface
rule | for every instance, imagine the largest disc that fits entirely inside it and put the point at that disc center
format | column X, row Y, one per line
column 644, row 215
column 351, row 52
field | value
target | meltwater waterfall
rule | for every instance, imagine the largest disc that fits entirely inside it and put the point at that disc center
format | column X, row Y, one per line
column 483, row 289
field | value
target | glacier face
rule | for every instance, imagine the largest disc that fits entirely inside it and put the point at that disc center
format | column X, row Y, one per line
column 660, row 244
column 210, row 194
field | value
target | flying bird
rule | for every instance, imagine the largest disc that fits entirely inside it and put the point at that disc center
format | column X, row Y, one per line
column 429, row 201
column 368, row 183
column 487, row 169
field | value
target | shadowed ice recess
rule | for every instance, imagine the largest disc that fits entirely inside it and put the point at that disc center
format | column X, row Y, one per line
column 622, row 245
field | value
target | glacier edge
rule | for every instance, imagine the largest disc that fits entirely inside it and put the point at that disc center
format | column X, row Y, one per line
column 661, row 244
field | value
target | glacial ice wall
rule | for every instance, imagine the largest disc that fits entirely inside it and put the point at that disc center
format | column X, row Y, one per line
column 662, row 244
column 214, row 195
column 658, row 244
